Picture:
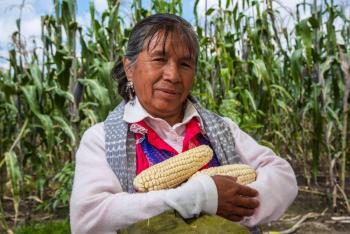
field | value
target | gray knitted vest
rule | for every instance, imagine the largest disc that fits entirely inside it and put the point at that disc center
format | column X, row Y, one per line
column 120, row 142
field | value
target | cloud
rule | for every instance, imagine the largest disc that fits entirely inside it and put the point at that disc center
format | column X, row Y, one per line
column 100, row 5
column 34, row 9
column 3, row 60
column 31, row 13
column 210, row 3
column 30, row 21
column 281, row 5
column 84, row 20
column 6, row 29
column 32, row 27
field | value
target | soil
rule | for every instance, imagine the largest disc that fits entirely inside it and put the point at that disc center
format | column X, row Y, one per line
column 314, row 201
column 313, row 204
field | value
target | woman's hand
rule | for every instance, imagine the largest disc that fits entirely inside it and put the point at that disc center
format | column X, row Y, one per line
column 235, row 201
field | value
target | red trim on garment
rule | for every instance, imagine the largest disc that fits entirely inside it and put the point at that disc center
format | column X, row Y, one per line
column 189, row 142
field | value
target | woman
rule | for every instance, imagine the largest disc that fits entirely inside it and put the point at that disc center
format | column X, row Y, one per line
column 158, row 119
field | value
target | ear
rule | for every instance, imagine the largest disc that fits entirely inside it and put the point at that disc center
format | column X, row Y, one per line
column 128, row 69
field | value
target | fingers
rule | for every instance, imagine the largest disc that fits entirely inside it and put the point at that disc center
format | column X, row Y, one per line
column 246, row 202
column 235, row 218
column 235, row 201
column 240, row 211
column 247, row 191
column 232, row 178
column 231, row 215
column 242, row 206
column 223, row 182
column 237, row 213
column 238, row 206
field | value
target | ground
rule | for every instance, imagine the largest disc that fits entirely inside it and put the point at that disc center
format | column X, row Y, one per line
column 312, row 206
column 320, row 218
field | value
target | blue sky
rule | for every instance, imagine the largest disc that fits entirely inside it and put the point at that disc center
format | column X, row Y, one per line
column 33, row 9
column 9, row 12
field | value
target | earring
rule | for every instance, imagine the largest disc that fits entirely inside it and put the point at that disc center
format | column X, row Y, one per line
column 130, row 91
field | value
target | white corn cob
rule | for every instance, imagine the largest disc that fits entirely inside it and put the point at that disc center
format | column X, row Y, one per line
column 245, row 174
column 173, row 171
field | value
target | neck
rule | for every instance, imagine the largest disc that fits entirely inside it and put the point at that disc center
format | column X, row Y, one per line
column 171, row 117
column 172, row 120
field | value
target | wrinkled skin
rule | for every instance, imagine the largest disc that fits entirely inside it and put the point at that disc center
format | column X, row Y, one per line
column 235, row 201
column 163, row 79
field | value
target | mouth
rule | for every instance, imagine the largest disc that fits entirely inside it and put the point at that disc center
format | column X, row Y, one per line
column 168, row 94
column 169, row 91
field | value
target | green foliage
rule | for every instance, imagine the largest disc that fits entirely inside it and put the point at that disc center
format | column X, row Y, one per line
column 64, row 181
column 289, row 88
column 52, row 227
column 15, row 177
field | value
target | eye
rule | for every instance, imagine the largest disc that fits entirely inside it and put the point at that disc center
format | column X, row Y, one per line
column 159, row 59
column 187, row 65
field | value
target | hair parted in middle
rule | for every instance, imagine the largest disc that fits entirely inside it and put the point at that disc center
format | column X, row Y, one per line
column 144, row 32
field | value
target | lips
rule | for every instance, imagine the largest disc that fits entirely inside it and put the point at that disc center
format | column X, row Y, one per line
column 170, row 91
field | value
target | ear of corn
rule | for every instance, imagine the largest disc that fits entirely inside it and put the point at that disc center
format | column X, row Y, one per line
column 173, row 171
column 245, row 174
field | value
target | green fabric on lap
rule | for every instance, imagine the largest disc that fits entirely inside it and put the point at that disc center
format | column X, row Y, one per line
column 171, row 222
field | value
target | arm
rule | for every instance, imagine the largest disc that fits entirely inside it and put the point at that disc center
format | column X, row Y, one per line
column 98, row 204
column 276, row 182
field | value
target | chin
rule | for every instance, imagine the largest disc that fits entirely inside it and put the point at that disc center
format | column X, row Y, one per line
column 166, row 107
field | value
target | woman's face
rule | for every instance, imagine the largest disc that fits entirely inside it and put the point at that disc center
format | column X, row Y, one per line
column 163, row 78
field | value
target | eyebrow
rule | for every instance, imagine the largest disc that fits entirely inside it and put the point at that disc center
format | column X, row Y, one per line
column 164, row 53
column 158, row 53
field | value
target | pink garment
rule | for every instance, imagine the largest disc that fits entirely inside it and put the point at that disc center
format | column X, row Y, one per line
column 98, row 204
column 189, row 141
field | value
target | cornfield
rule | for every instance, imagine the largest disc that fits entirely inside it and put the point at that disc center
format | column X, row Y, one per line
column 286, row 86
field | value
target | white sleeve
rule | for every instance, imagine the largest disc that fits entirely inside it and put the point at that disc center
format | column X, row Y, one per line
column 276, row 181
column 98, row 204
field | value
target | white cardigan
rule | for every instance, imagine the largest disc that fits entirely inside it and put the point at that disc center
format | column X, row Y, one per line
column 98, row 204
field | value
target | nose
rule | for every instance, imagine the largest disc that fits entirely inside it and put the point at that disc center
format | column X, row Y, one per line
column 171, row 72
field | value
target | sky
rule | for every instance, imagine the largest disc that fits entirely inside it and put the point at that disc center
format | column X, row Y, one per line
column 34, row 9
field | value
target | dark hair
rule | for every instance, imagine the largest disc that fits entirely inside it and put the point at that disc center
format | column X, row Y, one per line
column 141, row 36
